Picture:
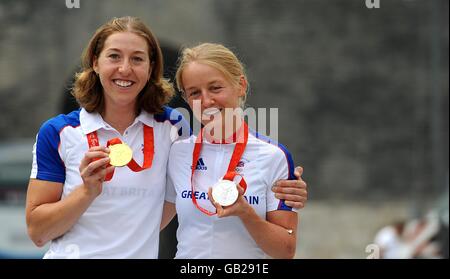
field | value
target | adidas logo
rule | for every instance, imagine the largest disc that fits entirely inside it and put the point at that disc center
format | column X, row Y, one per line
column 201, row 165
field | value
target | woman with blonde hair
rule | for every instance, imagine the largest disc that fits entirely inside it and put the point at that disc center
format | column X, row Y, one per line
column 224, row 202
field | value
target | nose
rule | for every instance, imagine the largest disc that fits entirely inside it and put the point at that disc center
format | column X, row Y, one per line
column 207, row 99
column 125, row 67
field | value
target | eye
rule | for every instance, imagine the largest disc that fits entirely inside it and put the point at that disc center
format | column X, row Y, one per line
column 138, row 59
column 216, row 88
column 114, row 56
column 193, row 93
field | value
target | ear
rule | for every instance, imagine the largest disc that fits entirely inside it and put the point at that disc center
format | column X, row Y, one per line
column 243, row 86
column 95, row 65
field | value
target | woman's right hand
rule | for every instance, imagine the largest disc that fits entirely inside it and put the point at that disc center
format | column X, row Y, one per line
column 93, row 169
column 239, row 208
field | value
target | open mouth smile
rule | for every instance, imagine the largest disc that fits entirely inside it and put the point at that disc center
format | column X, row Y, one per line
column 211, row 111
column 123, row 83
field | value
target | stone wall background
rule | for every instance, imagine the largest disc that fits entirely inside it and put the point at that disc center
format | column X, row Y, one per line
column 362, row 93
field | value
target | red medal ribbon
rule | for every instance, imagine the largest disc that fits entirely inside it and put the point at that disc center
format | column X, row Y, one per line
column 231, row 172
column 149, row 150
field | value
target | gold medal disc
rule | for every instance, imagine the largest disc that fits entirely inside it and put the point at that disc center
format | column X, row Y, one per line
column 120, row 154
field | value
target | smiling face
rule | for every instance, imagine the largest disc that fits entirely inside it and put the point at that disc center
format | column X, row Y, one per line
column 123, row 67
column 209, row 86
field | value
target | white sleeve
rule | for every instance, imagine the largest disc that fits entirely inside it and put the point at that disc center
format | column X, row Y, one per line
column 171, row 194
column 34, row 164
column 281, row 167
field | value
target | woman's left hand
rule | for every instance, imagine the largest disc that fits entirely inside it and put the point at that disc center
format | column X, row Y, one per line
column 238, row 208
column 293, row 192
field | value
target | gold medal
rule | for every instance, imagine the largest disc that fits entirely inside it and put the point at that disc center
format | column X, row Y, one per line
column 120, row 154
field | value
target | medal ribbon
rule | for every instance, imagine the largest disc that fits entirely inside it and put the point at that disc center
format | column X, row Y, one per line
column 231, row 172
column 149, row 150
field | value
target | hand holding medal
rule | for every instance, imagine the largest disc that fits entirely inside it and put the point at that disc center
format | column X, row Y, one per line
column 120, row 154
column 228, row 202
column 94, row 168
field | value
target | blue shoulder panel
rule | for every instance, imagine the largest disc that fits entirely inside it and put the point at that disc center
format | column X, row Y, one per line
column 50, row 167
